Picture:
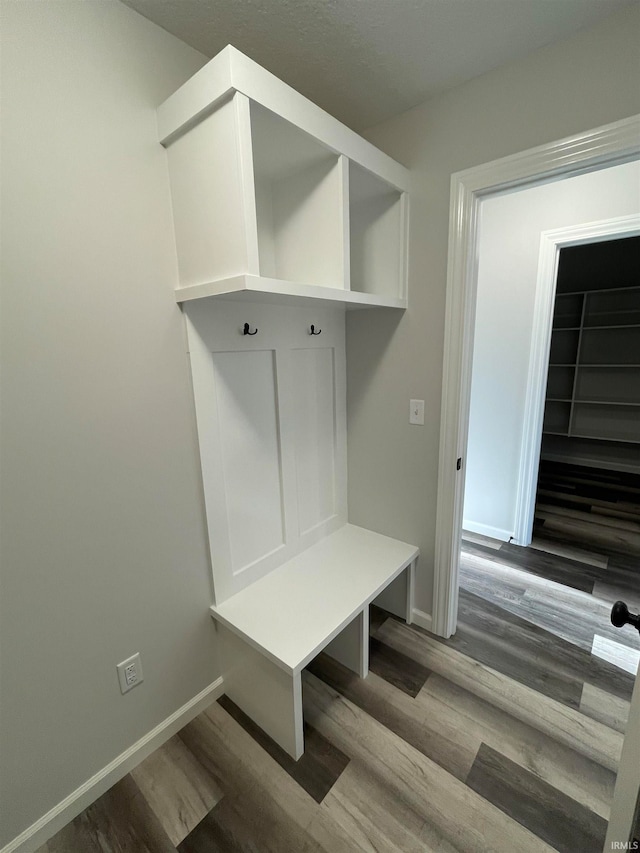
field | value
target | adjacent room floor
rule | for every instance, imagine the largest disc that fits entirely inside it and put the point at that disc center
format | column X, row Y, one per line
column 505, row 737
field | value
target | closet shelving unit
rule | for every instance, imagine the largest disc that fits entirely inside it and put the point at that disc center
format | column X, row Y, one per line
column 284, row 218
column 593, row 386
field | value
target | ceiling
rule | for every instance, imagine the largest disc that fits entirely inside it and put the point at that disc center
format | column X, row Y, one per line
column 366, row 60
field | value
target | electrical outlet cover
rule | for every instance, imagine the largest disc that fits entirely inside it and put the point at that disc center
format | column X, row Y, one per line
column 130, row 673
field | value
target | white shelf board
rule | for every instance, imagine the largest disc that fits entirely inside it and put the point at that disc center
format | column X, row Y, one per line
column 261, row 289
column 292, row 613
column 231, row 71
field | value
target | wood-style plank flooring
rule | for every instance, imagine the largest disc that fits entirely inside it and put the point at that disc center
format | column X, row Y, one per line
column 505, row 737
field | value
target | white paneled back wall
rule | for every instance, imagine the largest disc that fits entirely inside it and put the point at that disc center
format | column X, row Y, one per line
column 271, row 411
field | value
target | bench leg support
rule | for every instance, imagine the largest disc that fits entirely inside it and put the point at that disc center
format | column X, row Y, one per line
column 264, row 691
column 397, row 597
column 351, row 646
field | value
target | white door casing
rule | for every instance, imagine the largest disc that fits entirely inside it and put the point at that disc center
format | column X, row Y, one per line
column 595, row 149
column 551, row 242
column 626, row 795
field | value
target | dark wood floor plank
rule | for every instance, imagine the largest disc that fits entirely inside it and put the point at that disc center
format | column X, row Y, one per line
column 268, row 795
column 542, row 563
column 177, row 787
column 248, row 825
column 316, row 771
column 567, row 725
column 120, row 821
column 397, row 669
column 215, row 832
column 614, row 540
column 565, row 612
column 435, row 737
column 535, row 657
column 463, row 818
column 541, row 808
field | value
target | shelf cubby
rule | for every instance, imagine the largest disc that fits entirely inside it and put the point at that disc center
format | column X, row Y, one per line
column 568, row 311
column 610, row 346
column 607, row 385
column 564, row 347
column 560, row 382
column 275, row 200
column 614, row 308
column 376, row 230
column 299, row 203
column 606, row 421
column 556, row 417
column 595, row 453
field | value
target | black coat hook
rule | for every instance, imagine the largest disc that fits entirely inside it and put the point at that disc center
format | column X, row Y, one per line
column 246, row 331
column 313, row 331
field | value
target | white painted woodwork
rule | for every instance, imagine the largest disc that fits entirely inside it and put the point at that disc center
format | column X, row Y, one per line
column 351, row 646
column 270, row 696
column 317, row 601
column 271, row 414
column 298, row 203
column 255, row 288
column 614, row 143
column 294, row 611
column 208, row 201
column 247, row 417
column 261, row 194
column 376, row 226
column 397, row 597
column 313, row 384
column 286, row 217
column 626, row 796
column 231, row 71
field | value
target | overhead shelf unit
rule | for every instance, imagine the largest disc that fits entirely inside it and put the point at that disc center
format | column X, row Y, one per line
column 274, row 197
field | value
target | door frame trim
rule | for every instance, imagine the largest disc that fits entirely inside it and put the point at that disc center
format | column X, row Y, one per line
column 609, row 145
column 551, row 242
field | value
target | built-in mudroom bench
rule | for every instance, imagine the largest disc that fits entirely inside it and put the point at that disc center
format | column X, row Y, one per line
column 284, row 219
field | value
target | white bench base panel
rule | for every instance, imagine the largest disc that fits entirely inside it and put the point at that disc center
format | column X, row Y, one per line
column 265, row 644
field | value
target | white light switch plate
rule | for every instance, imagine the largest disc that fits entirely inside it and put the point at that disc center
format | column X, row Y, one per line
column 416, row 412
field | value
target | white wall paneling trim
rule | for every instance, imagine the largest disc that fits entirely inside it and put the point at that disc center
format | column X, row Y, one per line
column 551, row 242
column 58, row 817
column 271, row 415
column 614, row 143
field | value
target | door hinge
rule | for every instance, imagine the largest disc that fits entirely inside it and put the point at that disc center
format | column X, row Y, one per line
column 459, row 463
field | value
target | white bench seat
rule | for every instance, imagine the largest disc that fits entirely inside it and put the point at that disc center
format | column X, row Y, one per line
column 318, row 600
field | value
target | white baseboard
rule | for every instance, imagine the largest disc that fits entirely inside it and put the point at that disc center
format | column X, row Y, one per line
column 485, row 530
column 420, row 618
column 44, row 828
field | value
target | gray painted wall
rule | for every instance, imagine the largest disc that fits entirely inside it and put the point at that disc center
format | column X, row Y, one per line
column 575, row 85
column 103, row 536
column 103, row 540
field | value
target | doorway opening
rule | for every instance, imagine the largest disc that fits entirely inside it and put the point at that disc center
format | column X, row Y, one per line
column 587, row 153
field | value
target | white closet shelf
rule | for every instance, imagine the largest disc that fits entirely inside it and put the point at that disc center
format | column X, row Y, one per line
column 262, row 289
